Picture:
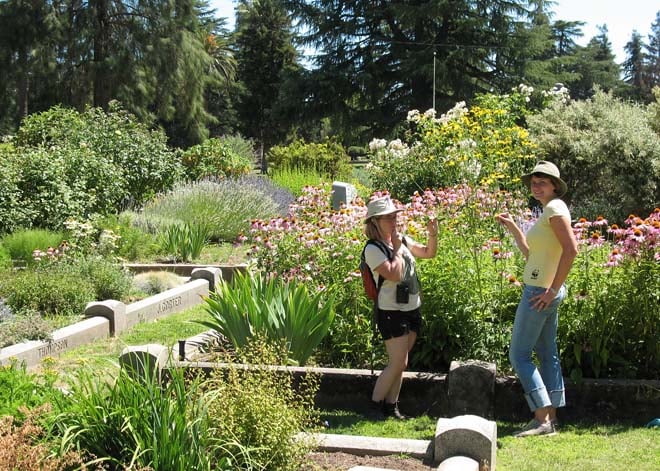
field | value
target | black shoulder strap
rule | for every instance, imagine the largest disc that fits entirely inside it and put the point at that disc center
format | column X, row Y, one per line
column 387, row 251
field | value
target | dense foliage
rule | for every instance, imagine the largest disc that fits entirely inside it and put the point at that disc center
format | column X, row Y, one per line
column 215, row 158
column 327, row 158
column 609, row 152
column 482, row 145
column 68, row 164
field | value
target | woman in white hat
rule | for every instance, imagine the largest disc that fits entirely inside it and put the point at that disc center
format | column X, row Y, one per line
column 549, row 248
column 392, row 257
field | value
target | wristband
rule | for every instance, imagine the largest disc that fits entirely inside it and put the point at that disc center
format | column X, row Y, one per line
column 552, row 290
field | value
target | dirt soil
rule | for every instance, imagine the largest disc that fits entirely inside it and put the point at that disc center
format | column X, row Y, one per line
column 320, row 461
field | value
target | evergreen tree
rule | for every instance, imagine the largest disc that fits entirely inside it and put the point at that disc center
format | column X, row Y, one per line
column 595, row 66
column 265, row 56
column 633, row 67
column 376, row 60
column 652, row 76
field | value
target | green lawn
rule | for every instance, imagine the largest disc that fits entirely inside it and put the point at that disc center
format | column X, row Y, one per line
column 577, row 447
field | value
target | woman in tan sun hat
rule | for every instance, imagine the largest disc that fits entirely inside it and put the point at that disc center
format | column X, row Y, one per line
column 549, row 248
column 391, row 259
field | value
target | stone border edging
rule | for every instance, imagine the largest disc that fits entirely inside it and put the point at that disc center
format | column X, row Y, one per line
column 110, row 317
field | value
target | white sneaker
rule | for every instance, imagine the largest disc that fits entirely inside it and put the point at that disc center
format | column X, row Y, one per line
column 534, row 428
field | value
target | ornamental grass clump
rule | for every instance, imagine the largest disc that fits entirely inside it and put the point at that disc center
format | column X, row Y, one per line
column 224, row 207
column 280, row 310
column 139, row 423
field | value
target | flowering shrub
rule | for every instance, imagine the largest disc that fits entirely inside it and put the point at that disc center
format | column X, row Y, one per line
column 483, row 145
column 611, row 319
column 322, row 247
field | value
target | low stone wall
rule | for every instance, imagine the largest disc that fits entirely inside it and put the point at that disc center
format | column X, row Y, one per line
column 109, row 318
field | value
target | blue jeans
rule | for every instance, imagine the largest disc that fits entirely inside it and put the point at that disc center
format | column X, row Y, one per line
column 536, row 331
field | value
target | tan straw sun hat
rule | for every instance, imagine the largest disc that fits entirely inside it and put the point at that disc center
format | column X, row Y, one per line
column 381, row 207
column 549, row 169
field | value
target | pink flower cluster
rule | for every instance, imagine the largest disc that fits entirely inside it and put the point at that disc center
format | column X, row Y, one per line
column 639, row 238
column 51, row 253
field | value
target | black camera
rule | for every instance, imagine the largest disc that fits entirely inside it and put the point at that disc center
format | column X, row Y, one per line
column 402, row 293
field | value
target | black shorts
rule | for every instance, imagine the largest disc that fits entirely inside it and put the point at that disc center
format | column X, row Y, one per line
column 392, row 324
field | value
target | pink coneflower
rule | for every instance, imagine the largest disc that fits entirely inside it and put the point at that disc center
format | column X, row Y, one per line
column 596, row 239
column 582, row 223
column 582, row 295
column 600, row 222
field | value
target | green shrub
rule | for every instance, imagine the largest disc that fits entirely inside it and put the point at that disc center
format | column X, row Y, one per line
column 72, row 164
column 51, row 289
column 20, row 388
column 109, row 280
column 23, row 326
column 215, row 158
column 21, row 244
column 607, row 152
column 225, row 207
column 12, row 212
column 327, row 158
column 5, row 257
column 133, row 243
column 261, row 409
column 295, row 179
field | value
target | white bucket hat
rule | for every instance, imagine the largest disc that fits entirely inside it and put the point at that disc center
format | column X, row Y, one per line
column 549, row 169
column 381, row 207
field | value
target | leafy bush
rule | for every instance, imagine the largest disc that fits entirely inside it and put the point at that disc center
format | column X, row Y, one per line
column 5, row 257
column 276, row 309
column 49, row 291
column 295, row 179
column 24, row 326
column 65, row 287
column 21, row 390
column 21, row 244
column 216, row 158
column 133, row 243
column 328, row 158
column 70, row 164
column 225, row 207
column 607, row 152
column 261, row 409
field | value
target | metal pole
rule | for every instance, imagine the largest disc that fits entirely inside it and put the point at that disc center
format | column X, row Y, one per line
column 433, row 80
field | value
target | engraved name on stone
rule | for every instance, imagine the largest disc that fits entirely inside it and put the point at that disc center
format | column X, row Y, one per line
column 169, row 304
column 53, row 347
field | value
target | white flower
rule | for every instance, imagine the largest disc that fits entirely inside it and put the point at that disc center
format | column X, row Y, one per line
column 413, row 115
column 376, row 144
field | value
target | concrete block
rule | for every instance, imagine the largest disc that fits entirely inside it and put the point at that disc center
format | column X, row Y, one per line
column 342, row 193
column 114, row 311
column 211, row 274
column 471, row 388
column 168, row 302
column 459, row 463
column 466, row 435
column 143, row 361
column 81, row 333
column 374, row 446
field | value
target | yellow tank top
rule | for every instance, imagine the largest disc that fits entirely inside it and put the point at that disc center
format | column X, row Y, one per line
column 544, row 247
